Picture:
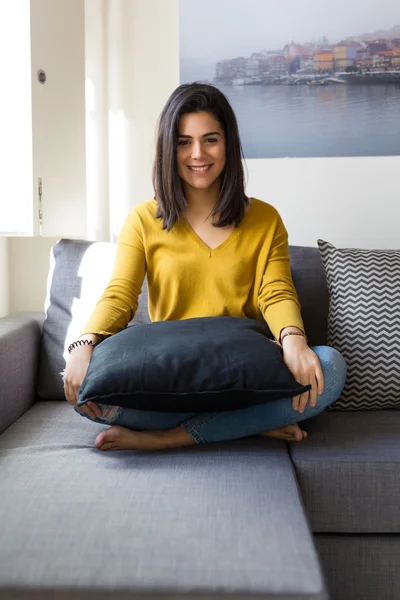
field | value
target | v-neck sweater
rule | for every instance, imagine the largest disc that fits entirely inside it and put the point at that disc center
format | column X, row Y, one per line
column 248, row 275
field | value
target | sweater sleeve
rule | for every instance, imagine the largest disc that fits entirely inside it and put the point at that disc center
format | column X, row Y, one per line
column 277, row 299
column 118, row 303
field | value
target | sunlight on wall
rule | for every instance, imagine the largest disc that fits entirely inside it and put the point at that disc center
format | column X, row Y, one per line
column 108, row 33
column 97, row 198
column 118, row 170
column 97, row 193
column 92, row 150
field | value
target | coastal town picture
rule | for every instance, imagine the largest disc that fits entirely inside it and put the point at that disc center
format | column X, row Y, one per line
column 305, row 79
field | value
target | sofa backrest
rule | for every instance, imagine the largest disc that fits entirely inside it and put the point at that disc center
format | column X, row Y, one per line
column 309, row 279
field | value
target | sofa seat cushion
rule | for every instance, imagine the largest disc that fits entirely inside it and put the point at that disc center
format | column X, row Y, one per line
column 348, row 470
column 192, row 522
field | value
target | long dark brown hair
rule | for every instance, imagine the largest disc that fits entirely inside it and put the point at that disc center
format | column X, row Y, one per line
column 168, row 187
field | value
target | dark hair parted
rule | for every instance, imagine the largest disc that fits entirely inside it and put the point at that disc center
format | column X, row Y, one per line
column 168, row 187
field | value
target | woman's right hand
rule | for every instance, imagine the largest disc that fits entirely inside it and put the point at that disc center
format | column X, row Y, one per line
column 74, row 374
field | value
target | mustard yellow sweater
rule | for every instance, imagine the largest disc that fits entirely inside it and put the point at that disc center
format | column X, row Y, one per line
column 248, row 275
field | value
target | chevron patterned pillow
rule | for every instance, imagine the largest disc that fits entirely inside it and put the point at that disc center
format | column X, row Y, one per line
column 364, row 323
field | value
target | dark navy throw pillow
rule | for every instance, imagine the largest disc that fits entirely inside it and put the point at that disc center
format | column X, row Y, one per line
column 194, row 365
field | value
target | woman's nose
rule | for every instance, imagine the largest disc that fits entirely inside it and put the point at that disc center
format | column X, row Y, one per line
column 197, row 150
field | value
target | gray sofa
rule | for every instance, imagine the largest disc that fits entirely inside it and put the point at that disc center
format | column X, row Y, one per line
column 251, row 518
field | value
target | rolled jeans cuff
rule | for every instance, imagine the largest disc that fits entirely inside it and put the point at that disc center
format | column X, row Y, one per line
column 193, row 430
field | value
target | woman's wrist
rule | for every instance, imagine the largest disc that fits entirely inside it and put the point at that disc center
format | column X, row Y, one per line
column 292, row 336
column 81, row 344
column 96, row 338
column 87, row 341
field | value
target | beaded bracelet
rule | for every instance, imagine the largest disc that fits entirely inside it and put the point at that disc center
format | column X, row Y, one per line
column 80, row 343
column 293, row 333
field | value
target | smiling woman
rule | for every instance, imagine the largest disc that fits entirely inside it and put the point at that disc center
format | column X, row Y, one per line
column 208, row 251
column 201, row 156
column 198, row 162
column 201, row 161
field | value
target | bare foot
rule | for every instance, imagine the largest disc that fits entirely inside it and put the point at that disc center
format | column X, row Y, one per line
column 121, row 438
column 289, row 433
column 116, row 438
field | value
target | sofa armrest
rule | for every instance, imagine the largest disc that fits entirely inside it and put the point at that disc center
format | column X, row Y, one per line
column 20, row 337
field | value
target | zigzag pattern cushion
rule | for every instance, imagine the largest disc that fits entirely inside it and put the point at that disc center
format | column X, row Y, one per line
column 364, row 323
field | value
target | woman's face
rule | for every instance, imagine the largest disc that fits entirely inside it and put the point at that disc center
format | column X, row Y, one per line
column 201, row 149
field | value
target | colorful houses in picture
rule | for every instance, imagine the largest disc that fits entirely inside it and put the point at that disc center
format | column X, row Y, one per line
column 345, row 55
column 377, row 56
column 322, row 59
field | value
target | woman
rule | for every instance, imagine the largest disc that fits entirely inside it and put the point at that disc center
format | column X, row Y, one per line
column 208, row 250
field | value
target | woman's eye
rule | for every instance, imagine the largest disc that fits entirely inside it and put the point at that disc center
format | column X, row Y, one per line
column 186, row 142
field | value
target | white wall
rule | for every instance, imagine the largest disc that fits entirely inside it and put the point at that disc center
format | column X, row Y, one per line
column 347, row 201
column 153, row 59
column 350, row 202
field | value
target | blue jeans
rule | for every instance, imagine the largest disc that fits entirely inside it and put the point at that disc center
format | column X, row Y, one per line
column 234, row 424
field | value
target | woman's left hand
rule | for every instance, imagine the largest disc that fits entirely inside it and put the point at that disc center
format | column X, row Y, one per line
column 305, row 367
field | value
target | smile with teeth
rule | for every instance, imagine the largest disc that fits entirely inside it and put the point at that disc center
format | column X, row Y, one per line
column 202, row 169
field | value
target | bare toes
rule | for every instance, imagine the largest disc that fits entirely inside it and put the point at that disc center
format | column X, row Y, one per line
column 107, row 438
column 100, row 440
column 117, row 438
column 289, row 433
column 107, row 446
column 299, row 435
